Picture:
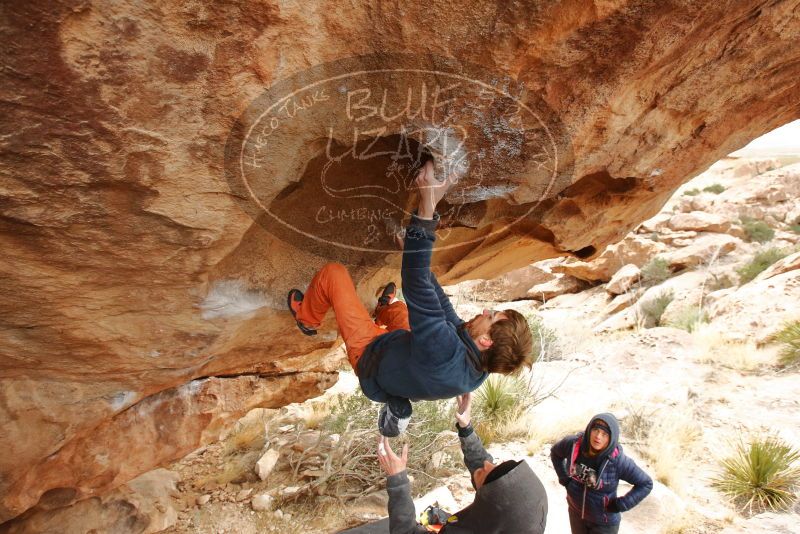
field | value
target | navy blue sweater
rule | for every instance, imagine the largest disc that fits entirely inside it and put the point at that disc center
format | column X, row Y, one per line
column 436, row 359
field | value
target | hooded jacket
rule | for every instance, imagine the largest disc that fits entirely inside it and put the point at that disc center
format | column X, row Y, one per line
column 593, row 502
column 437, row 359
column 515, row 503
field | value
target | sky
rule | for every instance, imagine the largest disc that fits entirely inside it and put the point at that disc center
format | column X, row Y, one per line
column 783, row 140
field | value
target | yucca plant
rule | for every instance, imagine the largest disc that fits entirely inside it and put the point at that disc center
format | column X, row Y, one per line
column 760, row 475
column 497, row 402
column 499, row 396
column 789, row 337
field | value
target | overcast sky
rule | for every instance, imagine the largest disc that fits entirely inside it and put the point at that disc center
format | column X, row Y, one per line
column 783, row 140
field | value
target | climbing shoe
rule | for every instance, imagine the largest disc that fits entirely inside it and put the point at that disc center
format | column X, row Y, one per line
column 293, row 301
column 394, row 417
column 387, row 294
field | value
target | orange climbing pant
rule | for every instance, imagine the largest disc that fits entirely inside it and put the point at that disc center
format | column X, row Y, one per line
column 333, row 287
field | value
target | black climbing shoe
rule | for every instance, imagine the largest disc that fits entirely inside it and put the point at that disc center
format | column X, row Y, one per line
column 293, row 302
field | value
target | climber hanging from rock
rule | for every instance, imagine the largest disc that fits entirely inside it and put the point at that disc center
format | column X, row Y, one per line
column 425, row 352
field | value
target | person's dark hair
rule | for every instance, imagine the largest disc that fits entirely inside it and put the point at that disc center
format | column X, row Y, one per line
column 501, row 470
column 512, row 345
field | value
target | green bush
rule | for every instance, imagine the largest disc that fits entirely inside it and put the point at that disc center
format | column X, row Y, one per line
column 546, row 344
column 795, row 228
column 714, row 188
column 789, row 337
column 655, row 271
column 689, row 319
column 757, row 230
column 654, row 308
column 759, row 263
column 760, row 476
column 691, row 192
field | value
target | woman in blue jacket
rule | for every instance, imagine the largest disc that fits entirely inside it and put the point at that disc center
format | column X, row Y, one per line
column 590, row 465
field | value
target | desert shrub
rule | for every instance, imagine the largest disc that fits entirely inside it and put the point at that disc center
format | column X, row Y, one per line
column 655, row 271
column 714, row 349
column 795, row 228
column 546, row 343
column 760, row 475
column 714, row 188
column 720, row 281
column 346, row 467
column 691, row 192
column 637, row 423
column 759, row 263
column 757, row 230
column 354, row 411
column 497, row 403
column 653, row 309
column 689, row 318
column 665, row 438
column 789, row 338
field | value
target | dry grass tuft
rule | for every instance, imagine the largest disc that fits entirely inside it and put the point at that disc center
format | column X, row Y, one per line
column 713, row 349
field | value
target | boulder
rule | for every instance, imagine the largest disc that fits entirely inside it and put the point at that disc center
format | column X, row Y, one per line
column 635, row 249
column 623, row 279
column 262, row 502
column 699, row 221
column 622, row 301
column 706, row 249
column 676, row 239
column 657, row 223
column 559, row 285
column 789, row 263
column 266, row 463
column 513, row 285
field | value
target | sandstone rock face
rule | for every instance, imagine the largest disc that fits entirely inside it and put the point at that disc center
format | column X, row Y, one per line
column 757, row 309
column 772, row 196
column 699, row 221
column 142, row 307
column 766, row 523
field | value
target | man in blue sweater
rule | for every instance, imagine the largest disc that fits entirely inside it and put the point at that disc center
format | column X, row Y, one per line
column 440, row 356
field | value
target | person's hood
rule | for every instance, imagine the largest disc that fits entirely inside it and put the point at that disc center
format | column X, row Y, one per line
column 613, row 427
column 514, row 503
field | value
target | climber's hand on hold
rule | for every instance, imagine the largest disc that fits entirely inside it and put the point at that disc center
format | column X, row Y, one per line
column 431, row 190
